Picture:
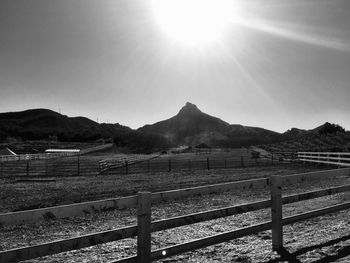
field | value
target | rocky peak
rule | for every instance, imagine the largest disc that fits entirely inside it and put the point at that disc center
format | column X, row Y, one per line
column 189, row 109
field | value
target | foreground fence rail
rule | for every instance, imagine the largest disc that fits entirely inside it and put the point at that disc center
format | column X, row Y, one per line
column 341, row 159
column 145, row 227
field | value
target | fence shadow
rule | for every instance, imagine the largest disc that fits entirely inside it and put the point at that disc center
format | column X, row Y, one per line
column 285, row 255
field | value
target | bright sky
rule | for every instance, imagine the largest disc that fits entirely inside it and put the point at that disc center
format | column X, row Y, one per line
column 274, row 64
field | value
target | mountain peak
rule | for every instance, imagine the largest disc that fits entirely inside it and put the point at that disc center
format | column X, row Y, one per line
column 189, row 108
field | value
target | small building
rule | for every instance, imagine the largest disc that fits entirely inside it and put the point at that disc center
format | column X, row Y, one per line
column 202, row 148
column 62, row 151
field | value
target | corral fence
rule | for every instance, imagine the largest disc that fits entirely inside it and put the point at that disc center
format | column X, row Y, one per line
column 59, row 166
column 145, row 226
column 340, row 159
column 70, row 163
column 78, row 164
column 169, row 164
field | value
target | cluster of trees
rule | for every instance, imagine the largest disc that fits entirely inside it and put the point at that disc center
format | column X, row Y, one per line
column 330, row 128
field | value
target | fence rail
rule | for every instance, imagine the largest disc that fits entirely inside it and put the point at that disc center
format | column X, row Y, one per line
column 145, row 227
column 341, row 159
column 59, row 166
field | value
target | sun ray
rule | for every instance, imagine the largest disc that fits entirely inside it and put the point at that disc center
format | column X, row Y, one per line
column 259, row 90
column 294, row 32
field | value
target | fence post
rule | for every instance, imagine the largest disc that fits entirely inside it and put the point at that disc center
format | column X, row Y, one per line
column 144, row 227
column 27, row 168
column 271, row 158
column 208, row 164
column 169, row 165
column 78, row 164
column 242, row 163
column 276, row 212
column 27, row 165
column 46, row 167
column 126, row 167
column 327, row 159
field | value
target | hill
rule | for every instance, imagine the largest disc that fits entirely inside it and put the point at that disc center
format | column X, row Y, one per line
column 39, row 124
column 43, row 124
column 326, row 137
column 191, row 126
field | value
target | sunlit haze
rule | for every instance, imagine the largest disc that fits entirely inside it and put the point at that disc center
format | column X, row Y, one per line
column 195, row 22
column 273, row 64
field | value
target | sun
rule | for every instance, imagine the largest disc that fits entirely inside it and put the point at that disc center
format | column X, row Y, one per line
column 195, row 22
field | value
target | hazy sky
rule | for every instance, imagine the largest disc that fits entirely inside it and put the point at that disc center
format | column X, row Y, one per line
column 277, row 64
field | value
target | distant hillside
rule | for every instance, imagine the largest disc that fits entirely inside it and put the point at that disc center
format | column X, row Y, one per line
column 39, row 124
column 327, row 137
column 191, row 127
column 43, row 124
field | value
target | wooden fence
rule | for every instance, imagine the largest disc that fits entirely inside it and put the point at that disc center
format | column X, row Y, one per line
column 145, row 227
column 48, row 168
column 341, row 159
column 168, row 164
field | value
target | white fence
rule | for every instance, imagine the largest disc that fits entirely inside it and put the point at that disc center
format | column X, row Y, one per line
column 341, row 159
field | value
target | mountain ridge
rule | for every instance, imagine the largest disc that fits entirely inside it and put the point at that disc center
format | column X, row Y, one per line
column 190, row 126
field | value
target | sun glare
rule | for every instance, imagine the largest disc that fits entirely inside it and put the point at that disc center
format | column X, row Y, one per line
column 195, row 22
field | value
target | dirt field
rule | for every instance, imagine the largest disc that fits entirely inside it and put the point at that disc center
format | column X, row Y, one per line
column 322, row 239
column 17, row 196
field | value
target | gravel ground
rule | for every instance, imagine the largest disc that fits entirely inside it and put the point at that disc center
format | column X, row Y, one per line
column 322, row 239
